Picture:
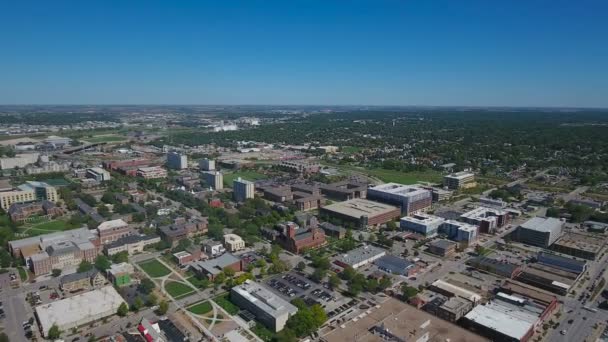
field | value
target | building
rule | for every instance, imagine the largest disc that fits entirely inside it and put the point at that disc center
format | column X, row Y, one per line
column 177, row 161
column 233, row 243
column 214, row 179
column 491, row 202
column 411, row 199
column 151, row 172
column 360, row 256
column 580, row 245
column 487, row 219
column 361, row 212
column 243, row 189
column 44, row 165
column 498, row 267
column 182, row 229
column 394, row 320
column 189, row 256
column 300, row 166
column 18, row 161
column 28, row 192
column 78, row 310
column 113, row 230
column 395, row 265
column 344, row 190
column 82, row 281
column 212, row 267
column 268, row 308
column 131, row 244
column 98, row 174
column 333, row 230
column 539, row 231
column 562, row 262
column 298, row 239
column 442, row 247
column 587, row 203
column 207, row 165
column 553, row 273
column 86, row 209
column 451, row 309
column 459, row 231
column 459, row 180
column 21, row 212
column 58, row 250
column 450, row 290
column 427, row 225
column 120, row 274
column 214, row 248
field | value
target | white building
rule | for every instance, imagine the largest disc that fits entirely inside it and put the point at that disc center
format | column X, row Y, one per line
column 360, row 256
column 411, row 199
column 459, row 180
column 233, row 242
column 98, row 174
column 20, row 161
column 268, row 308
column 213, row 248
column 459, row 231
column 424, row 224
column 177, row 161
column 539, row 231
column 79, row 310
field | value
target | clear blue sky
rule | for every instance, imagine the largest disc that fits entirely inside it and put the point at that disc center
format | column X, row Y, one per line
column 398, row 52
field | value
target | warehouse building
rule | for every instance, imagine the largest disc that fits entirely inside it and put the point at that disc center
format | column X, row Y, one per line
column 361, row 212
column 78, row 310
column 539, row 231
column 267, row 307
column 498, row 267
column 360, row 256
column 450, row 290
column 395, row 265
column 585, row 246
column 553, row 273
column 411, row 199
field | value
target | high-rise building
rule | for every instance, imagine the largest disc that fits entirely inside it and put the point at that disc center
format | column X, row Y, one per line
column 243, row 189
column 214, row 179
column 207, row 164
column 177, row 161
column 411, row 199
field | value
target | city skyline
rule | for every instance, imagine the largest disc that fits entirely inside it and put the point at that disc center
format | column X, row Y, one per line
column 439, row 53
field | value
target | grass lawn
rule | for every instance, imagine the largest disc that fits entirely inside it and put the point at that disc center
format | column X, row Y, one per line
column 247, row 175
column 22, row 273
column 199, row 283
column 264, row 333
column 105, row 138
column 201, row 308
column 226, row 304
column 154, row 268
column 46, row 227
column 351, row 149
column 405, row 177
column 177, row 290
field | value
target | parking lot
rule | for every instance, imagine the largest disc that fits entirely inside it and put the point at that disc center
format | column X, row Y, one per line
column 293, row 285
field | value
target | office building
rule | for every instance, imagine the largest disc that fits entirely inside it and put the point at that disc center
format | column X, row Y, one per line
column 360, row 256
column 98, row 174
column 427, row 225
column 459, row 231
column 177, row 161
column 344, row 190
column 151, row 172
column 459, row 180
column 30, row 191
column 411, row 199
column 580, row 245
column 268, row 308
column 243, row 189
column 300, row 166
column 539, row 231
column 207, row 165
column 361, row 212
column 233, row 243
column 214, row 179
column 487, row 219
column 78, row 310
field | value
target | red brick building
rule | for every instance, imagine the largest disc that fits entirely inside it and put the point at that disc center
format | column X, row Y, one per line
column 297, row 239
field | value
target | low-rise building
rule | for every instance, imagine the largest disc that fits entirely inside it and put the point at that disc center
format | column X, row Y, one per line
column 442, row 247
column 451, row 290
column 360, row 256
column 427, row 225
column 183, row 229
column 188, row 256
column 459, row 180
column 300, row 166
column 21, row 212
column 131, row 244
column 344, row 190
column 212, row 267
column 296, row 239
column 78, row 310
column 580, row 245
column 498, row 267
column 120, row 274
column 333, row 230
column 233, row 243
column 98, row 174
column 113, row 230
column 214, row 248
column 151, row 172
column 267, row 307
column 395, row 265
column 361, row 212
column 82, row 281
column 487, row 219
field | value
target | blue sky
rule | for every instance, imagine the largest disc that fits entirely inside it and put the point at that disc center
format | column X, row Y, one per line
column 486, row 53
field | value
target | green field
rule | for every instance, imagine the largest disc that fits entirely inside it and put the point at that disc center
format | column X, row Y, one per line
column 105, row 138
column 405, row 177
column 177, row 290
column 22, row 273
column 154, row 268
column 57, row 182
column 226, row 304
column 199, row 283
column 46, row 227
column 247, row 175
column 201, row 308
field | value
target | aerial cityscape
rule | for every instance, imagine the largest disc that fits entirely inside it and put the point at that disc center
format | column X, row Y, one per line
column 311, row 171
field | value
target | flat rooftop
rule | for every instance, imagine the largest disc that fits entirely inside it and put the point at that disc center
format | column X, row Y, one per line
column 542, row 224
column 265, row 300
column 402, row 320
column 400, row 189
column 360, row 254
column 584, row 242
column 461, row 175
column 360, row 207
column 424, row 219
column 505, row 318
column 483, row 212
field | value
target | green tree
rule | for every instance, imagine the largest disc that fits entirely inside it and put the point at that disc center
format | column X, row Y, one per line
column 54, row 332
column 318, row 275
column 151, row 300
column 286, row 335
column 146, row 286
column 56, row 272
column 408, row 291
column 163, row 307
column 229, row 272
column 120, row 257
column 334, row 281
column 123, row 310
column 84, row 266
column 301, row 266
column 102, row 263
column 137, row 304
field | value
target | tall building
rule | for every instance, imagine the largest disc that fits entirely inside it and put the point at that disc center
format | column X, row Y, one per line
column 207, row 164
column 177, row 161
column 459, row 180
column 411, row 199
column 243, row 189
column 29, row 192
column 539, row 231
column 214, row 179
